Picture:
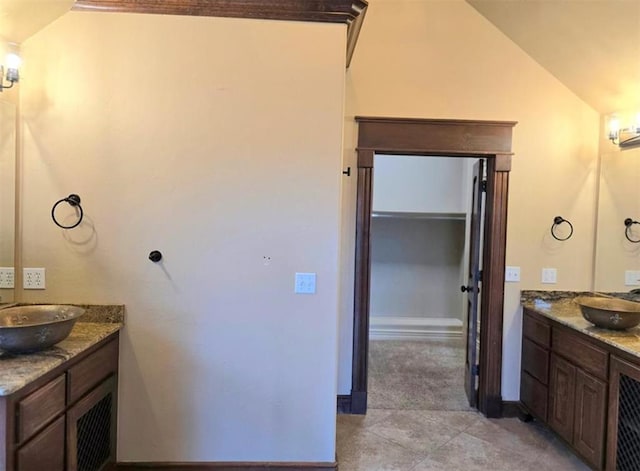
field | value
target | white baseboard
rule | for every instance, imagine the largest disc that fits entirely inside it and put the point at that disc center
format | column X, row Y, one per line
column 414, row 328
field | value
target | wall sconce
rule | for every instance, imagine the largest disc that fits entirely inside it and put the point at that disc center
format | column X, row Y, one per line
column 13, row 76
column 627, row 136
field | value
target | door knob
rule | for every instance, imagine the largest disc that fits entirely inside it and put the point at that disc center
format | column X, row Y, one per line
column 466, row 288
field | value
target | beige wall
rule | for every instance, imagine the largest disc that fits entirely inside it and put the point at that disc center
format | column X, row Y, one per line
column 8, row 125
column 415, row 267
column 442, row 59
column 619, row 199
column 217, row 142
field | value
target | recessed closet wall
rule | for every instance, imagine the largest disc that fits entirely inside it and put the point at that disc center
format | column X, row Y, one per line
column 418, row 237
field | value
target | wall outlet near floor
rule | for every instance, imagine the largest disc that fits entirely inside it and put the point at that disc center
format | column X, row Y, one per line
column 33, row 278
column 7, row 275
column 631, row 278
column 305, row 283
column 549, row 275
column 511, row 274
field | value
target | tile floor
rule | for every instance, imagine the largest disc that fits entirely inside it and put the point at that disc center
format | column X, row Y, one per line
column 419, row 420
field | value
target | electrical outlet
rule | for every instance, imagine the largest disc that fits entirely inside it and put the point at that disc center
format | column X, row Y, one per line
column 7, row 277
column 305, row 283
column 33, row 278
column 632, row 278
column 512, row 274
column 549, row 275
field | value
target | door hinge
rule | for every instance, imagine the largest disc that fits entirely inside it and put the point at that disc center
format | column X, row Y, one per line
column 480, row 273
column 475, row 370
column 484, row 186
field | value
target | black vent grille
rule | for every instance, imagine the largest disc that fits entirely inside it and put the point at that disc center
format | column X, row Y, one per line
column 628, row 452
column 94, row 436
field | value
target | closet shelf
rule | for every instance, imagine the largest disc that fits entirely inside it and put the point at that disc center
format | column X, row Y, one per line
column 409, row 215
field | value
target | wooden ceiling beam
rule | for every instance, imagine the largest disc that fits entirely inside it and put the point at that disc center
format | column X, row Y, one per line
column 349, row 12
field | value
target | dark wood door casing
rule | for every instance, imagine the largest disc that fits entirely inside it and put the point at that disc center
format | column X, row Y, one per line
column 442, row 138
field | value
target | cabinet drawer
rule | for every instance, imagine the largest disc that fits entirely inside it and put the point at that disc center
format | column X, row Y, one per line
column 40, row 407
column 581, row 353
column 45, row 451
column 536, row 330
column 534, row 395
column 535, row 361
column 92, row 370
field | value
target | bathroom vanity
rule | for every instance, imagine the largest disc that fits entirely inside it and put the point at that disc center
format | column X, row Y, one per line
column 59, row 406
column 582, row 381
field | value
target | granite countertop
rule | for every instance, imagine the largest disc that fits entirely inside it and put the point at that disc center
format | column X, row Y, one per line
column 560, row 307
column 100, row 321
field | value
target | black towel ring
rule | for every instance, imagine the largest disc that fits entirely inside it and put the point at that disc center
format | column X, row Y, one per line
column 559, row 220
column 627, row 231
column 73, row 200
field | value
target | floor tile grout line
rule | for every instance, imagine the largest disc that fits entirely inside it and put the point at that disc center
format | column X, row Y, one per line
column 437, row 448
column 476, row 420
column 422, row 455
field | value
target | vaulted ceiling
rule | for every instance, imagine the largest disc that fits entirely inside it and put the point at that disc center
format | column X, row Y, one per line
column 19, row 19
column 592, row 46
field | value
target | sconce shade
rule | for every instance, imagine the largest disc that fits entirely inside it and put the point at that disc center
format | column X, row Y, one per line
column 627, row 136
column 13, row 75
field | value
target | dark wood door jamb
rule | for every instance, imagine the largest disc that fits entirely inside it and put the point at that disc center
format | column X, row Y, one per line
column 447, row 138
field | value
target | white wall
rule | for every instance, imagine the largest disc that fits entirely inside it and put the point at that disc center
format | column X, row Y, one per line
column 442, row 59
column 217, row 142
column 418, row 184
column 415, row 267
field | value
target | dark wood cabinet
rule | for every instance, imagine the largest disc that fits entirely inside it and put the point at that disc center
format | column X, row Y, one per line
column 534, row 377
column 623, row 431
column 45, row 451
column 66, row 419
column 91, row 429
column 564, row 384
column 562, row 397
column 590, row 417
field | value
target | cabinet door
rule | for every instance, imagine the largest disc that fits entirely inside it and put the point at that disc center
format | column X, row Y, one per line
column 623, row 429
column 91, row 429
column 562, row 387
column 45, row 451
column 590, row 413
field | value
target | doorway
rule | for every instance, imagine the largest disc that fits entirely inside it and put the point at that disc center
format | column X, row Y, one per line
column 489, row 140
column 420, row 243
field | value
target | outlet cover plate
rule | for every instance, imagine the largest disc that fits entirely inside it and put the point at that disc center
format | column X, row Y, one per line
column 512, row 274
column 305, row 283
column 7, row 277
column 33, row 278
column 549, row 275
column 631, row 278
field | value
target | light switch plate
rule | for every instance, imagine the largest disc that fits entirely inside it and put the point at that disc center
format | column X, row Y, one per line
column 632, row 278
column 305, row 283
column 549, row 275
column 7, row 275
column 512, row 274
column 33, row 278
